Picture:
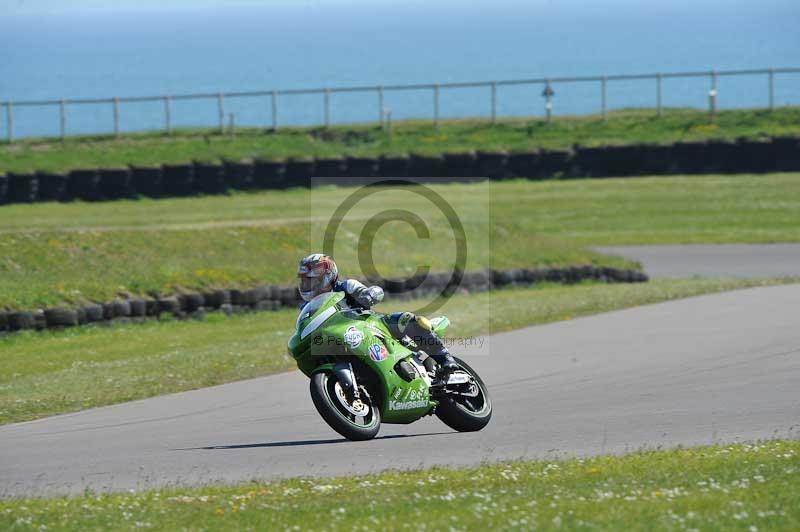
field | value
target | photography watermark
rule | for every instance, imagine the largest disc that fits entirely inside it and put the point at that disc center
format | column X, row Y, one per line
column 450, row 342
column 364, row 199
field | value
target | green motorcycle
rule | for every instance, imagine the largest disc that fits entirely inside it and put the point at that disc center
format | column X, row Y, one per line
column 362, row 376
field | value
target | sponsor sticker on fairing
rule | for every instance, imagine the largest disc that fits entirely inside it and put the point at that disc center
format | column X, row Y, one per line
column 377, row 352
column 353, row 337
column 407, row 405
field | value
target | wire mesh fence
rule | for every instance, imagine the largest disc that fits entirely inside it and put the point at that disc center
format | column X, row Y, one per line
column 271, row 109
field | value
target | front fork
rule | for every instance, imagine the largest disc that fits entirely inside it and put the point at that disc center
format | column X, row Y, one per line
column 347, row 378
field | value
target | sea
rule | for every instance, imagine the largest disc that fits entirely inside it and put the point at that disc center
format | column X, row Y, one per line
column 331, row 44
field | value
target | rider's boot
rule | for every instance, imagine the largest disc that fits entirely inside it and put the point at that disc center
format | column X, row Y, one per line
column 433, row 346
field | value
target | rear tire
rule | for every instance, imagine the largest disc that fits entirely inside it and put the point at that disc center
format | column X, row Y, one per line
column 328, row 405
column 466, row 417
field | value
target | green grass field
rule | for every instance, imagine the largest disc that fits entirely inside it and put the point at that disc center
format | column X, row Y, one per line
column 47, row 373
column 622, row 127
column 56, row 253
column 747, row 487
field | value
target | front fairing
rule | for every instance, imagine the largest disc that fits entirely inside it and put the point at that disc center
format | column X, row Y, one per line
column 326, row 330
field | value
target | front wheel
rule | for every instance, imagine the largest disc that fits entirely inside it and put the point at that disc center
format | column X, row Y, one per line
column 469, row 410
column 355, row 419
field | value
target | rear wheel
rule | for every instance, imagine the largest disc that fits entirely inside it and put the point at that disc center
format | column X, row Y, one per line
column 469, row 409
column 355, row 419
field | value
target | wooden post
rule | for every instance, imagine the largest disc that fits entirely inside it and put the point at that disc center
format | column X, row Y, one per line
column 712, row 95
column 221, row 109
column 436, row 106
column 10, row 121
column 168, row 114
column 274, row 111
column 327, row 108
column 771, row 89
column 62, row 120
column 603, row 102
column 115, row 103
column 380, row 106
column 658, row 94
column 494, row 102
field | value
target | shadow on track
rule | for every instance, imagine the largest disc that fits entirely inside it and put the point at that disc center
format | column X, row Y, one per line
column 299, row 443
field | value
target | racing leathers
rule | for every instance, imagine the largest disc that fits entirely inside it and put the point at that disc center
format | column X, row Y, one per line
column 400, row 324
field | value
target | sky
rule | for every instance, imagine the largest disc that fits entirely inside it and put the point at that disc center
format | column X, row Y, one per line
column 47, row 7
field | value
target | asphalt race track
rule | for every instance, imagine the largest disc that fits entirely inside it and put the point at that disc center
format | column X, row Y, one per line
column 714, row 260
column 718, row 368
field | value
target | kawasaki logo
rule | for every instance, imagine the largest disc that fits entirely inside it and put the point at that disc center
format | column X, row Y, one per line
column 408, row 405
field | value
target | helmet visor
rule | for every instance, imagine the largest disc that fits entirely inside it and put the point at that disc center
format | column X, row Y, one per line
column 309, row 283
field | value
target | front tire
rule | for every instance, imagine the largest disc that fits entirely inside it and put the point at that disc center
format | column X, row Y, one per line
column 466, row 414
column 324, row 393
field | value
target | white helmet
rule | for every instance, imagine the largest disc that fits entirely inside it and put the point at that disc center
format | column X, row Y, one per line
column 316, row 274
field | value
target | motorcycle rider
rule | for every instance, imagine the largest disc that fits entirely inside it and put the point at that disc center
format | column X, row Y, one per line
column 317, row 274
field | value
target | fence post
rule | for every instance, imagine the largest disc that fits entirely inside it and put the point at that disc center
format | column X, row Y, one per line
column 168, row 114
column 231, row 125
column 603, row 97
column 658, row 94
column 10, row 121
column 327, row 108
column 115, row 102
column 274, row 98
column 221, row 109
column 494, row 102
column 712, row 95
column 389, row 124
column 771, row 89
column 380, row 106
column 62, row 120
column 436, row 106
column 548, row 100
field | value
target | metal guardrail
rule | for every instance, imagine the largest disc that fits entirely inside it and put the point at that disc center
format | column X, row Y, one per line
column 379, row 90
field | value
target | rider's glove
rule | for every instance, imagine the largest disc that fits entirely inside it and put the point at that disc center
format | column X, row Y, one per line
column 370, row 296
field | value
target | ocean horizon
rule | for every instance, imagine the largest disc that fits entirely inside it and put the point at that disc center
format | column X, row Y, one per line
column 127, row 54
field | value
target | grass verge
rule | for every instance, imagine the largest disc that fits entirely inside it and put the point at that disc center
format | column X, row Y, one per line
column 57, row 372
column 622, row 127
column 733, row 487
column 137, row 247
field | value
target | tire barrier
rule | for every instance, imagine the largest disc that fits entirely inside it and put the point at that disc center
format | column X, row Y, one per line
column 656, row 159
column 362, row 167
column 687, row 157
column 238, row 174
column 331, row 167
column 84, row 185
column 525, row 164
column 494, row 165
column 22, row 188
column 331, row 171
column 52, row 186
column 299, row 172
column 115, row 183
column 754, row 155
column 394, row 166
column 148, row 180
column 721, row 157
column 786, row 153
column 3, row 189
column 423, row 166
column 553, row 163
column 209, row 178
column 274, row 297
column 178, row 180
column 459, row 165
column 269, row 174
